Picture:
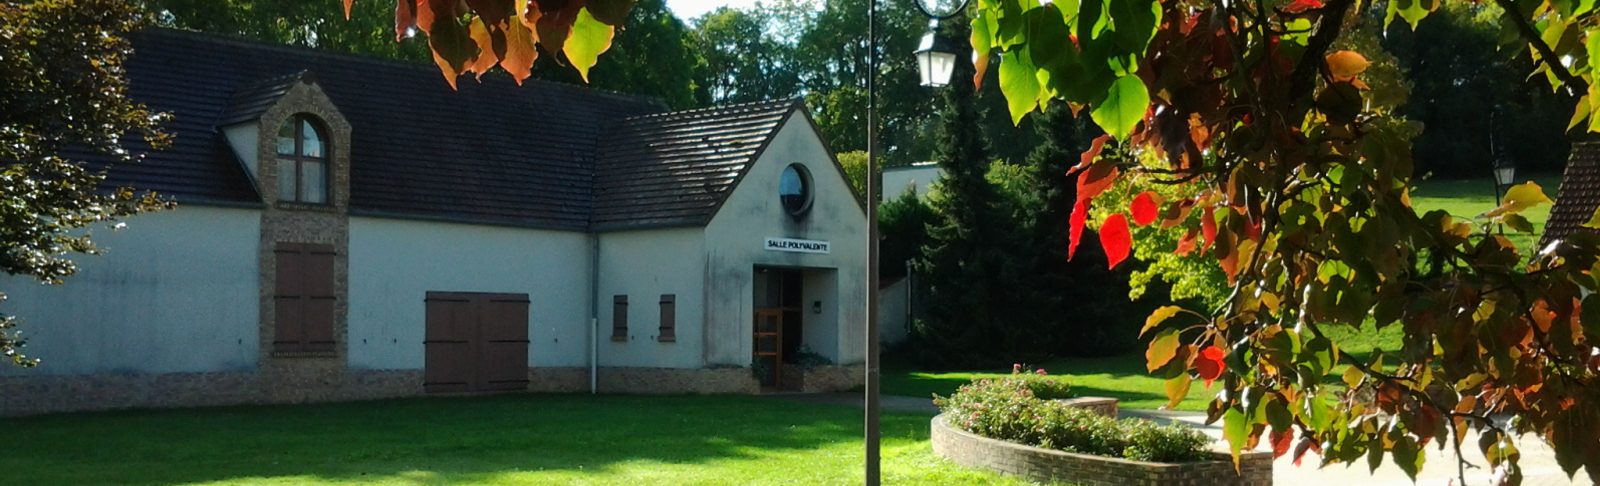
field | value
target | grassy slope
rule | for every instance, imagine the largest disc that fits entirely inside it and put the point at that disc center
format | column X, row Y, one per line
column 1124, row 377
column 513, row 439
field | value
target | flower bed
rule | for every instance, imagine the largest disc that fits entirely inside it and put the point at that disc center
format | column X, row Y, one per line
column 1027, row 429
column 1038, row 464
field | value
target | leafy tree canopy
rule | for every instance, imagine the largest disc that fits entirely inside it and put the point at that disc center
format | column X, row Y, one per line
column 64, row 104
column 1295, row 184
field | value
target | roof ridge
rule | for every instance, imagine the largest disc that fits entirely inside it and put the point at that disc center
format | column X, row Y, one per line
column 241, row 41
column 747, row 106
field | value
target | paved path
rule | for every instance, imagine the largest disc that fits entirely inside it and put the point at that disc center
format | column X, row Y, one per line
column 1539, row 466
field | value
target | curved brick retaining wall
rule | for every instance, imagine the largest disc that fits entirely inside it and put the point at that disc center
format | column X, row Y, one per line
column 968, row 449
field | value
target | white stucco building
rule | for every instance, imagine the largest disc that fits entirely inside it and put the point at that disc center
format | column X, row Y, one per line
column 352, row 228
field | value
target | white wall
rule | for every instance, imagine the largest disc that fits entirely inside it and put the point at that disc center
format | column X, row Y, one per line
column 753, row 213
column 394, row 263
column 898, row 180
column 174, row 291
column 644, row 265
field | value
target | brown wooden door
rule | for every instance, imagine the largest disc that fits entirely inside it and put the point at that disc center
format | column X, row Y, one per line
column 769, row 345
column 476, row 342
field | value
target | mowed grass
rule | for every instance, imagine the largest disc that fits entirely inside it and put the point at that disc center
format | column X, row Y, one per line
column 1125, row 377
column 1467, row 198
column 508, row 439
column 1121, row 377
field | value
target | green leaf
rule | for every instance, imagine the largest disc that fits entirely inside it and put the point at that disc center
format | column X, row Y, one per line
column 1134, row 23
column 1177, row 390
column 1518, row 222
column 1123, row 107
column 981, row 47
column 589, row 38
column 1162, row 349
column 1159, row 316
column 1235, row 428
column 1019, row 81
column 610, row 12
column 1594, row 220
column 1407, row 455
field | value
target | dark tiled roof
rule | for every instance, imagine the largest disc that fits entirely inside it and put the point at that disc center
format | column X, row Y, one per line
column 252, row 100
column 490, row 153
column 676, row 168
column 1579, row 195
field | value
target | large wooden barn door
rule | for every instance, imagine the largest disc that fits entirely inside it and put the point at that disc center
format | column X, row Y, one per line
column 475, row 342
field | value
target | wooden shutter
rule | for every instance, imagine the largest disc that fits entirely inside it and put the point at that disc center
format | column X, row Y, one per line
column 669, row 318
column 503, row 346
column 304, row 297
column 619, row 318
column 447, row 343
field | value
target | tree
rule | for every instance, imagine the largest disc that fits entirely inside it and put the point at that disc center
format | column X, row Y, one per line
column 650, row 33
column 1081, row 297
column 1297, row 189
column 742, row 61
column 979, row 308
column 369, row 30
column 1457, row 68
column 64, row 117
column 831, row 55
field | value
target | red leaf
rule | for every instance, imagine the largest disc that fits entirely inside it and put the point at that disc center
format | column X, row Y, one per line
column 1143, row 208
column 1115, row 239
column 347, row 9
column 1186, row 243
column 1080, row 214
column 1208, row 228
column 1095, row 179
column 1306, row 444
column 1209, row 364
column 405, row 18
column 1281, row 440
column 1089, row 155
column 1298, row 6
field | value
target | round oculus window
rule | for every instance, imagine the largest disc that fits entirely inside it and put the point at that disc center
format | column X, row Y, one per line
column 794, row 189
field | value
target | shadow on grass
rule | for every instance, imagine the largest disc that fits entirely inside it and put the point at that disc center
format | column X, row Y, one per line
column 427, row 440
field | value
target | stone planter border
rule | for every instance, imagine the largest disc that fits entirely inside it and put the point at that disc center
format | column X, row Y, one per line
column 1045, row 465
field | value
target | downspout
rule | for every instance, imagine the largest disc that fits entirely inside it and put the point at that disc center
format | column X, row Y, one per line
column 594, row 312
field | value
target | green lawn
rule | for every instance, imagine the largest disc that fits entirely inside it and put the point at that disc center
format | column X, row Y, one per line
column 1120, row 377
column 1471, row 197
column 1125, row 378
column 508, row 439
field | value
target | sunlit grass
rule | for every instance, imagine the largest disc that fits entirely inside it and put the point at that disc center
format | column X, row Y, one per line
column 514, row 439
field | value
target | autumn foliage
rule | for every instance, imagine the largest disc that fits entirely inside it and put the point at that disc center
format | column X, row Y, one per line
column 474, row 36
column 1298, row 190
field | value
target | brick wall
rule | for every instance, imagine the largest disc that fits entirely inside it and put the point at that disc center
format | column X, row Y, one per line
column 1038, row 464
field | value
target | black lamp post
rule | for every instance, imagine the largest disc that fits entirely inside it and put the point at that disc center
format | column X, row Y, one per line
column 1505, row 174
column 936, row 60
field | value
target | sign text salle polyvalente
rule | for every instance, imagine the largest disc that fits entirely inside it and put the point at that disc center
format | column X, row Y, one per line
column 797, row 246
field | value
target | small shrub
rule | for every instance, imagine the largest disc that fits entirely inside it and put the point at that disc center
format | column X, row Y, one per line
column 1012, row 409
column 1152, row 442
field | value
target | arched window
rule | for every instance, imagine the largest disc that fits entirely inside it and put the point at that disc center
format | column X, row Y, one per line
column 302, row 161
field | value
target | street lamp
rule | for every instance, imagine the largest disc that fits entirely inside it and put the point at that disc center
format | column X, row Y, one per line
column 936, row 61
column 1505, row 173
column 936, row 58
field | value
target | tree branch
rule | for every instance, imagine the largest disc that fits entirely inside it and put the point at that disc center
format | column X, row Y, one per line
column 1328, row 28
column 1546, row 54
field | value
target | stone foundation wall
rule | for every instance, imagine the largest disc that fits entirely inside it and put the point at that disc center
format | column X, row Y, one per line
column 1038, row 464
column 822, row 379
column 33, row 395
column 668, row 381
